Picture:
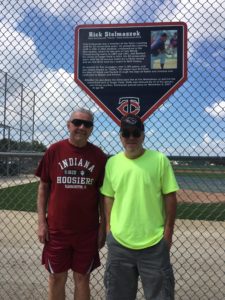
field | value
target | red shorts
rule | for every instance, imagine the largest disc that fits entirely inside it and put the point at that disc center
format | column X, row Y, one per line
column 66, row 251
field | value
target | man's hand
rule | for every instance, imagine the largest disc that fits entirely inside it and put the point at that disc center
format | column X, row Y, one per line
column 168, row 233
column 101, row 236
column 43, row 232
column 42, row 199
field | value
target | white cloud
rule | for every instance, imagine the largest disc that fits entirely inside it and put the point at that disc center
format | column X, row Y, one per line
column 13, row 10
column 207, row 139
column 149, row 133
column 17, row 53
column 211, row 146
column 110, row 135
column 86, row 10
column 105, row 134
column 208, row 146
column 202, row 18
column 56, row 93
column 56, row 97
column 217, row 109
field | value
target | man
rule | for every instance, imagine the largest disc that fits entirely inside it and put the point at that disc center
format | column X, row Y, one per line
column 158, row 51
column 71, row 173
column 140, row 206
column 173, row 44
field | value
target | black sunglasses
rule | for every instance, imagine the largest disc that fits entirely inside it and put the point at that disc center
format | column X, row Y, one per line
column 125, row 133
column 79, row 122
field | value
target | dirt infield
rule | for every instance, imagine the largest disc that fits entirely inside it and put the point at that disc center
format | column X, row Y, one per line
column 191, row 196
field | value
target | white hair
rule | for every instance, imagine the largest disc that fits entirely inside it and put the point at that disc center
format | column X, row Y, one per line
column 84, row 111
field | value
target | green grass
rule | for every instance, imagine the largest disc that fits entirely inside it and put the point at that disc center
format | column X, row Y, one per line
column 201, row 174
column 23, row 198
column 200, row 168
column 201, row 211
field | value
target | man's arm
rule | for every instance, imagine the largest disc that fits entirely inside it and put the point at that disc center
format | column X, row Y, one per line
column 108, row 203
column 42, row 200
column 170, row 209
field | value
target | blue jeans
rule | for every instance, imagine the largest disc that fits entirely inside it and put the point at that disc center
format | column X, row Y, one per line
column 124, row 266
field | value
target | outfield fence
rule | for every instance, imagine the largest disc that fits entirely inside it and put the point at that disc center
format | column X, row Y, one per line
column 38, row 94
column 197, row 253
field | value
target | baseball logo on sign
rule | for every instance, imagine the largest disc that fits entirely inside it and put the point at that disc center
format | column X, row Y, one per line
column 129, row 105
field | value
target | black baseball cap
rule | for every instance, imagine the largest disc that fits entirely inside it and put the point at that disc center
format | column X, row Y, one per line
column 131, row 121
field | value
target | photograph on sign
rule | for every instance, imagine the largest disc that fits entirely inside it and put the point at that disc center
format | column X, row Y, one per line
column 130, row 68
column 163, row 49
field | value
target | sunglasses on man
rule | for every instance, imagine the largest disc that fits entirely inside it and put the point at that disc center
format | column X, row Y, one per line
column 79, row 122
column 125, row 133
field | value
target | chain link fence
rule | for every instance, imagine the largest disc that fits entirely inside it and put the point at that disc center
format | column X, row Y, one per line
column 37, row 95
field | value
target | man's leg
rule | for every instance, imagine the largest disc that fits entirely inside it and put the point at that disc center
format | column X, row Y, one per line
column 85, row 259
column 162, row 60
column 82, row 289
column 56, row 287
column 121, row 275
column 156, row 272
column 153, row 61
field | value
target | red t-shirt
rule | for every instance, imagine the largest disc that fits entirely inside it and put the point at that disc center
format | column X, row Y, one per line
column 75, row 175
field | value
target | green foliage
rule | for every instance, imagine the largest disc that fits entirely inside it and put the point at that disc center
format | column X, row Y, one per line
column 9, row 145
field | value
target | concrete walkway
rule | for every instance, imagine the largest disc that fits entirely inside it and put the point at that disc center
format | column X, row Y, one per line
column 6, row 181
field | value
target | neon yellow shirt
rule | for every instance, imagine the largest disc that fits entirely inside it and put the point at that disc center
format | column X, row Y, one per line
column 137, row 186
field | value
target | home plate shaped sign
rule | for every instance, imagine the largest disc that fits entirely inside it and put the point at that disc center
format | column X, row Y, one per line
column 130, row 68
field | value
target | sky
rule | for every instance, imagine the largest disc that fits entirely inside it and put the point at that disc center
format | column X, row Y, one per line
column 37, row 51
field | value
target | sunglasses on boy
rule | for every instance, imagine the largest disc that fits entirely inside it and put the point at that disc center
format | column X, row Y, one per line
column 79, row 122
column 136, row 133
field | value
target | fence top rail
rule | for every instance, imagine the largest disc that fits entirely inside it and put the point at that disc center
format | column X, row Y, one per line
column 21, row 154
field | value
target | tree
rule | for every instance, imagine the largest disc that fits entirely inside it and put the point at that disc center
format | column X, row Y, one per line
column 7, row 145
